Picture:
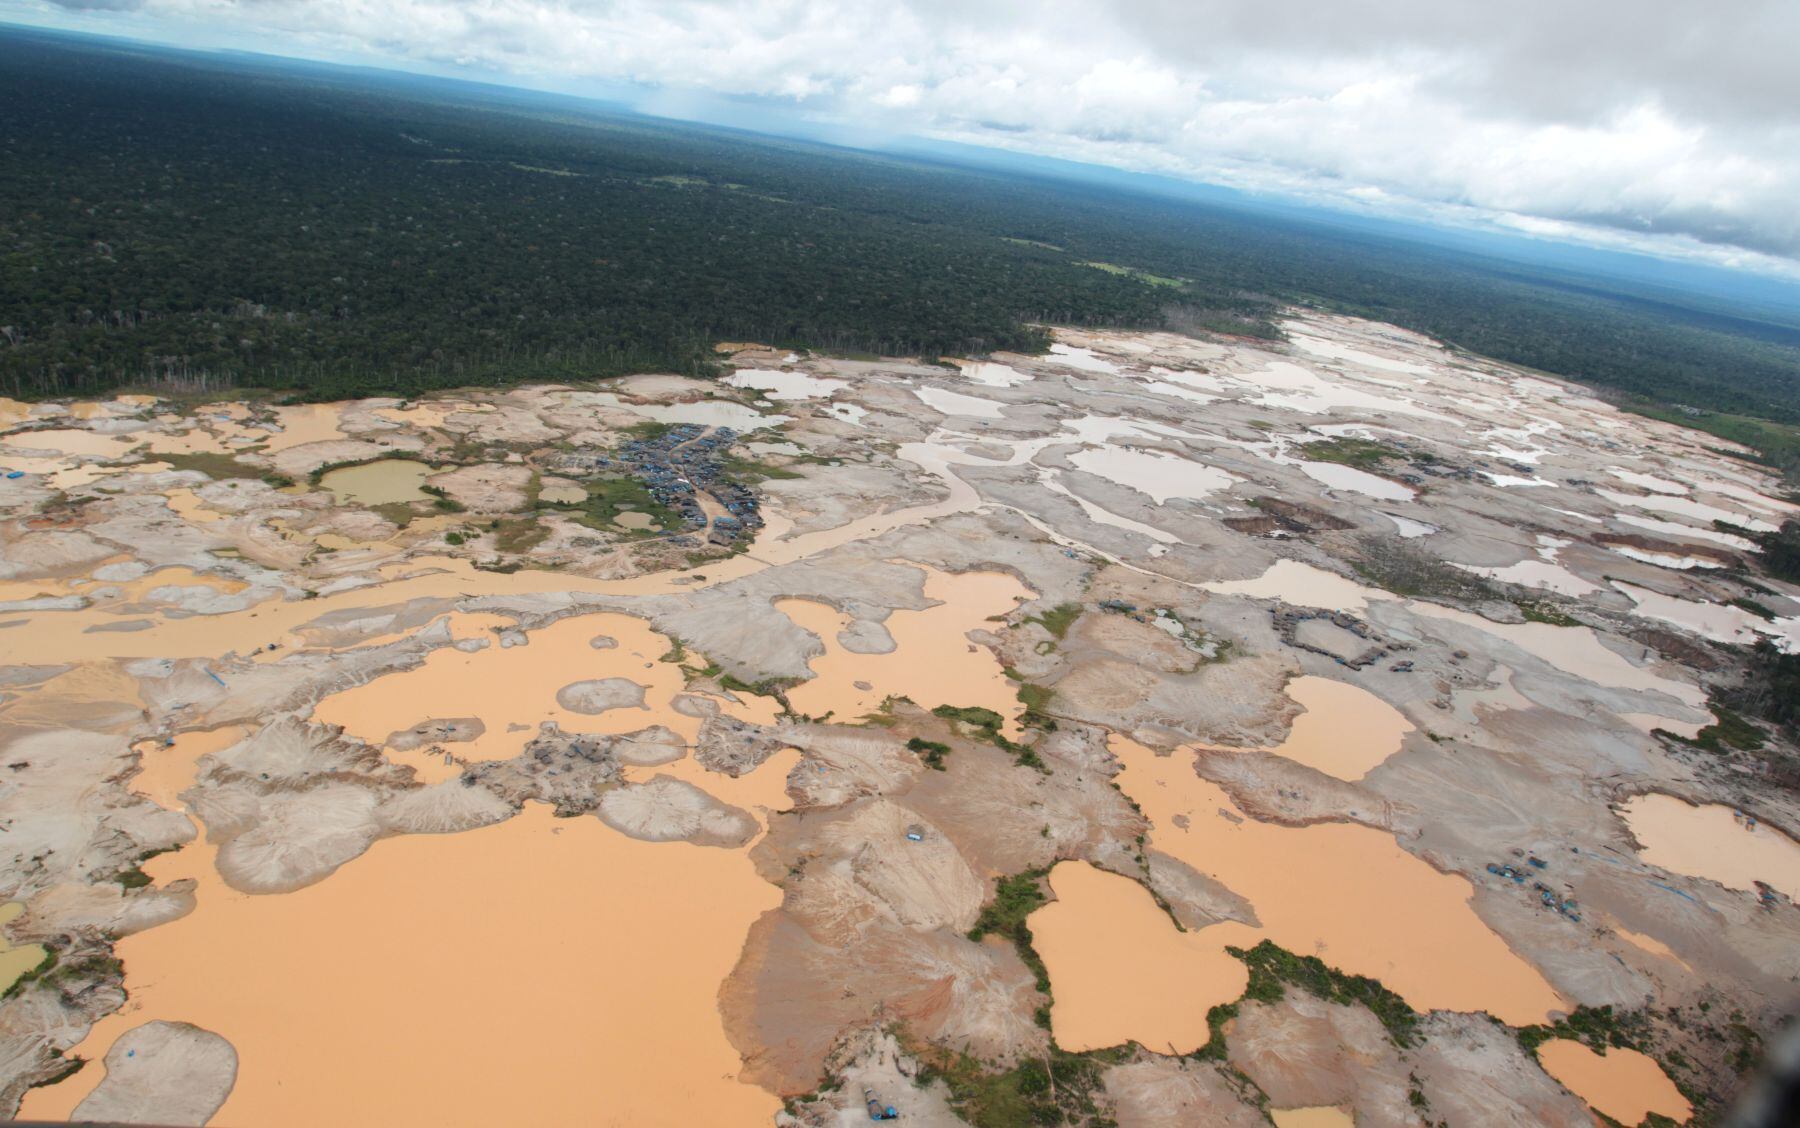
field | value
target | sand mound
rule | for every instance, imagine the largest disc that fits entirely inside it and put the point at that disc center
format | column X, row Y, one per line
column 649, row 748
column 601, row 694
column 443, row 808
column 163, row 1073
column 668, row 810
column 486, row 487
column 279, row 842
column 438, row 730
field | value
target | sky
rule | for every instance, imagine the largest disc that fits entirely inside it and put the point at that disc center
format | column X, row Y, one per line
column 1665, row 126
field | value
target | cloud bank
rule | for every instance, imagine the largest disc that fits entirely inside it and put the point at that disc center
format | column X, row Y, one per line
column 1649, row 124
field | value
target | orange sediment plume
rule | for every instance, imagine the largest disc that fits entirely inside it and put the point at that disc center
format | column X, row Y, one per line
column 1714, row 842
column 1346, row 893
column 1121, row 972
column 548, row 970
column 1623, row 1084
column 933, row 661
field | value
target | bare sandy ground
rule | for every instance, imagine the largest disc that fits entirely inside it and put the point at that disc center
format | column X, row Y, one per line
column 724, row 822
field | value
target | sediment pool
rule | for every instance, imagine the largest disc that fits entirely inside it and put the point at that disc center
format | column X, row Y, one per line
column 386, row 482
column 1121, row 972
column 165, row 770
column 15, row 960
column 1346, row 893
column 933, row 662
column 1623, row 1084
column 1345, row 731
column 1318, row 1116
column 300, row 424
column 1156, row 474
column 1714, row 842
column 1301, row 585
column 1340, row 477
column 514, row 689
column 533, row 971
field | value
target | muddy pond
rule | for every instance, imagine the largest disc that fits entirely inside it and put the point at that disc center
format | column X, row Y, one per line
column 932, row 661
column 1159, row 996
column 1346, row 893
column 1623, row 1084
column 1319, row 1116
column 1713, row 842
column 1344, row 732
column 613, row 1020
column 386, row 482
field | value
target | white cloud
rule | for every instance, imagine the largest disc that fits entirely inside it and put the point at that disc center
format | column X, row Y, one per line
column 1651, row 124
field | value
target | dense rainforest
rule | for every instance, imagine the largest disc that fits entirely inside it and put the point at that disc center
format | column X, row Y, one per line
column 209, row 222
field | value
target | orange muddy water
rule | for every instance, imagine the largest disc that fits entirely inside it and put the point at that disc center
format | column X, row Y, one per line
column 536, row 971
column 514, row 689
column 384, row 482
column 300, row 424
column 194, row 440
column 72, row 442
column 1713, row 841
column 1121, row 972
column 933, row 662
column 1348, row 894
column 1319, row 1116
column 188, row 506
column 1623, row 1084
column 138, row 593
column 15, row 961
column 1345, row 732
column 166, row 770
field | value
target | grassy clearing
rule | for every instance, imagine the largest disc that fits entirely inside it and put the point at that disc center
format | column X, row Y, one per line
column 1777, row 443
column 1036, row 699
column 749, row 471
column 648, row 431
column 1541, row 612
column 1361, row 454
column 1058, row 619
column 400, row 513
column 133, row 878
column 609, row 497
column 1728, row 731
column 1137, row 275
column 221, row 467
column 521, row 534
column 1030, row 243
